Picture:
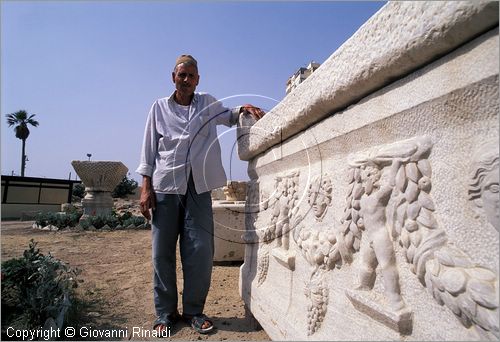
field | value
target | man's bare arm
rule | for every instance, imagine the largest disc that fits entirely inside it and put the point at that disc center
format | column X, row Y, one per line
column 148, row 200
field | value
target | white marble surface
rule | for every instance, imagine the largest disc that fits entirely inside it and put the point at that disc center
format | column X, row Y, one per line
column 434, row 118
column 229, row 226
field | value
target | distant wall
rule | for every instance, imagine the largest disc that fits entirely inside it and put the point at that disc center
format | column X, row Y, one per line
column 23, row 196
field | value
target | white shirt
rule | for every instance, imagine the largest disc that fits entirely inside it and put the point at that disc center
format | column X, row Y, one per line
column 181, row 110
column 175, row 144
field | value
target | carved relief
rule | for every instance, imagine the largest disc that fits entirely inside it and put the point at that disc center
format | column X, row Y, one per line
column 255, row 214
column 483, row 184
column 257, row 203
column 409, row 207
column 376, row 247
column 319, row 249
column 376, row 204
column 383, row 182
column 412, row 215
column 319, row 195
column 317, row 293
column 262, row 265
column 251, row 211
column 468, row 290
column 283, row 204
column 389, row 199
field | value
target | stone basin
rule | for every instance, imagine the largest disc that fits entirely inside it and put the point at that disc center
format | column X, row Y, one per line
column 100, row 179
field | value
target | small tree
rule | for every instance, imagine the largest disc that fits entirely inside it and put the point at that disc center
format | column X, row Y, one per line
column 126, row 187
column 78, row 192
column 21, row 121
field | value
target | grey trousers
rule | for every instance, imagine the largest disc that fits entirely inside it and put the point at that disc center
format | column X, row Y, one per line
column 188, row 217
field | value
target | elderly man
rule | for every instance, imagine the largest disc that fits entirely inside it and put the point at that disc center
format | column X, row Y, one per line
column 180, row 164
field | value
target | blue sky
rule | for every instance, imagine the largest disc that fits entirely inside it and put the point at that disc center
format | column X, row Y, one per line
column 90, row 70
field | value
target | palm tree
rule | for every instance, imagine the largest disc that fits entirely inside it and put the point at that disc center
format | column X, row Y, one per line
column 21, row 120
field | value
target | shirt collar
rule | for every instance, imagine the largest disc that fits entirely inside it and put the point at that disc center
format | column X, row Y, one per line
column 195, row 97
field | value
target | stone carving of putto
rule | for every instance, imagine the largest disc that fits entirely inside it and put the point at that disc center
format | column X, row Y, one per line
column 384, row 182
column 389, row 199
column 468, row 290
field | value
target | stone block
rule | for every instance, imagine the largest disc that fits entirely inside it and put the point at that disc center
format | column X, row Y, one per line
column 235, row 191
column 229, row 226
column 385, row 192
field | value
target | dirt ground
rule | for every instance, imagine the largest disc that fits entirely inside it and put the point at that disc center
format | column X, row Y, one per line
column 117, row 282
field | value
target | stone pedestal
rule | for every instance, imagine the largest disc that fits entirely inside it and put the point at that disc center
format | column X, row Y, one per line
column 97, row 203
column 100, row 178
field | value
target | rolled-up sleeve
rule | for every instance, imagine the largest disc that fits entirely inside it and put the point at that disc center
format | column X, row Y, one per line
column 235, row 115
column 223, row 115
column 149, row 144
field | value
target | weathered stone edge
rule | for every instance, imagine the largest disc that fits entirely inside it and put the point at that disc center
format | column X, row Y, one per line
column 398, row 39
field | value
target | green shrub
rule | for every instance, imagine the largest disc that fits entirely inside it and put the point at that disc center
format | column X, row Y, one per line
column 125, row 216
column 34, row 288
column 128, row 222
column 74, row 218
column 126, row 187
column 45, row 219
column 85, row 224
column 78, row 191
column 41, row 219
column 113, row 220
column 138, row 220
column 73, row 210
column 60, row 220
column 134, row 220
column 68, row 219
column 97, row 221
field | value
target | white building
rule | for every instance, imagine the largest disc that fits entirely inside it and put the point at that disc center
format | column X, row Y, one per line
column 300, row 75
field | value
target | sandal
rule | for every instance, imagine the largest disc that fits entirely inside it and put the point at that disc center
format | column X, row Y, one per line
column 166, row 322
column 197, row 322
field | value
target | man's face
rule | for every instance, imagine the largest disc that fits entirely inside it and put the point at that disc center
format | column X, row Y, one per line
column 186, row 79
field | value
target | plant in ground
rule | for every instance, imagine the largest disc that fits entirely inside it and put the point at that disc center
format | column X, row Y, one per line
column 124, row 188
column 60, row 220
column 34, row 288
column 113, row 220
column 20, row 120
column 78, row 192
